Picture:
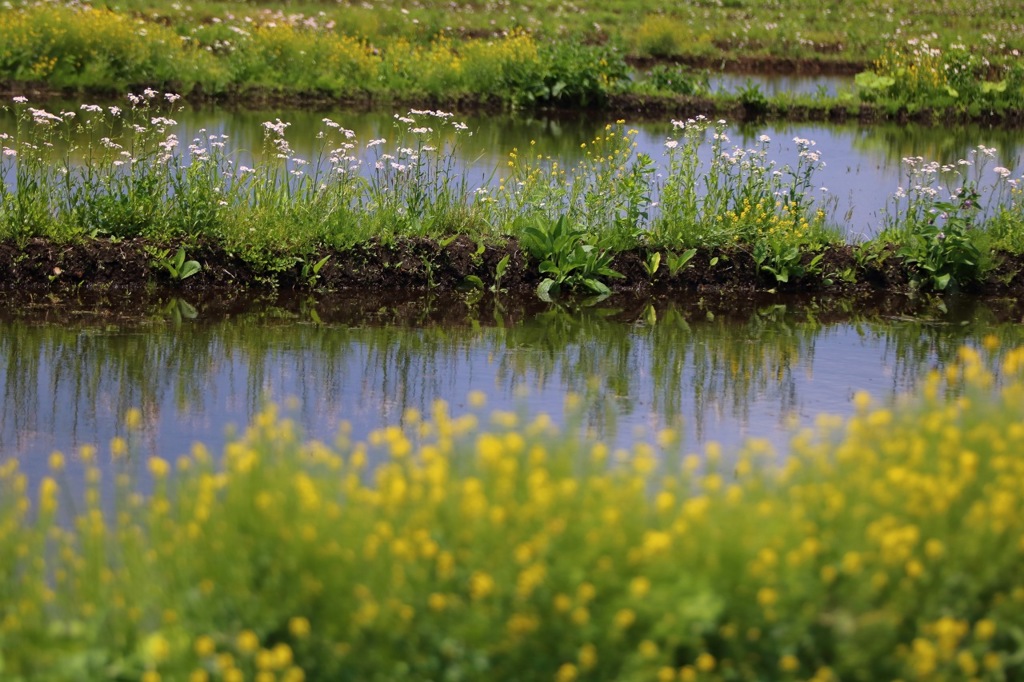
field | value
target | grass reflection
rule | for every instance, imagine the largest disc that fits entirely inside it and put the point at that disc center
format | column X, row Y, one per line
column 707, row 366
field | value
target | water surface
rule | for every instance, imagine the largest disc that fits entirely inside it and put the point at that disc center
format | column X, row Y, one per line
column 718, row 371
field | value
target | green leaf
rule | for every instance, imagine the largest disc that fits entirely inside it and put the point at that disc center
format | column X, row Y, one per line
column 548, row 268
column 869, row 80
column 988, row 87
column 502, row 265
column 653, row 262
column 546, row 289
column 179, row 258
column 473, row 281
column 188, row 269
column 320, row 263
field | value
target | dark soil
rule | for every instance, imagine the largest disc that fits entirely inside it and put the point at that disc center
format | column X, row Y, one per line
column 40, row 267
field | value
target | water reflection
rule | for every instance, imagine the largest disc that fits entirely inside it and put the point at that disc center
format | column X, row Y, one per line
column 721, row 372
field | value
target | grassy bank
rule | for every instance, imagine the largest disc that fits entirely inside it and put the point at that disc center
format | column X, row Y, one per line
column 120, row 182
column 887, row 546
column 938, row 60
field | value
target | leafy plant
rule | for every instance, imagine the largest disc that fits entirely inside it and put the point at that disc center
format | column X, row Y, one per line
column 311, row 271
column 652, row 263
column 870, row 84
column 566, row 258
column 177, row 267
column 499, row 273
column 753, row 100
column 676, row 79
column 945, row 248
column 677, row 262
column 784, row 263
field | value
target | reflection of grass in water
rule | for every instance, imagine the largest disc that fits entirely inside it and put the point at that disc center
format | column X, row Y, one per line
column 500, row 546
column 670, row 361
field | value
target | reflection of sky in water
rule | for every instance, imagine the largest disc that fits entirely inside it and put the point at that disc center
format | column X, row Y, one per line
column 863, row 163
column 778, row 84
column 63, row 390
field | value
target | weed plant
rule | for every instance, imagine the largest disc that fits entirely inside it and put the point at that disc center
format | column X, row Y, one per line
column 885, row 546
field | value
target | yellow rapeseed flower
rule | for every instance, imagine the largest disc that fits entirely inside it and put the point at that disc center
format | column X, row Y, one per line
column 299, row 627
column 247, row 642
column 204, row 646
column 984, row 629
column 705, row 662
column 587, row 656
column 158, row 467
column 567, row 672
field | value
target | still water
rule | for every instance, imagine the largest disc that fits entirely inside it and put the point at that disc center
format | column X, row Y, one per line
column 719, row 372
column 863, row 167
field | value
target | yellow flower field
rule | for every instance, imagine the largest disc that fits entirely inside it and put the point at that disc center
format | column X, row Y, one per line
column 496, row 547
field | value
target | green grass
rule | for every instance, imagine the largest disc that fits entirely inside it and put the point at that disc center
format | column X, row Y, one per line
column 959, row 59
column 884, row 546
column 847, row 31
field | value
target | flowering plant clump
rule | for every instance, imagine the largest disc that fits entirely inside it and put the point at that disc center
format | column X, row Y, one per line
column 936, row 218
column 113, row 172
column 886, row 546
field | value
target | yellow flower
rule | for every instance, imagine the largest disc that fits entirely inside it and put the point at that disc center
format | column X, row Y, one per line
column 789, row 663
column 648, row 649
column 705, row 662
column 587, row 656
column 204, row 646
column 247, row 642
column 984, row 629
column 118, row 447
column 481, row 585
column 566, row 673
column 299, row 627
column 624, row 618
column 436, row 601
column 158, row 467
column 767, row 597
column 282, row 656
column 133, row 419
column 639, row 587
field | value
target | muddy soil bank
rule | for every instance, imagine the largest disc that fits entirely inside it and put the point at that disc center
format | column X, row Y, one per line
column 40, row 267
